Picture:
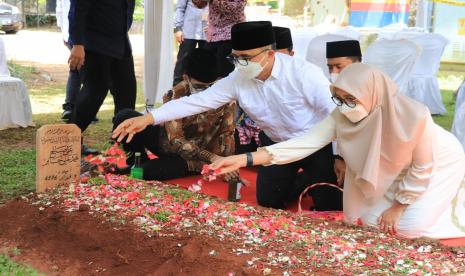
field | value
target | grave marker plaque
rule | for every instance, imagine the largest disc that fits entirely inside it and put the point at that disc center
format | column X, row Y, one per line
column 58, row 156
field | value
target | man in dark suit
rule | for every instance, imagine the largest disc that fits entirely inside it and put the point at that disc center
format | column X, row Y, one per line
column 103, row 55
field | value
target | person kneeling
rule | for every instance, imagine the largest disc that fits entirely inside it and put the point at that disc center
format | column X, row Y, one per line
column 183, row 146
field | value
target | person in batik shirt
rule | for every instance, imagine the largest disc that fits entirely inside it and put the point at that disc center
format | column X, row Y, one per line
column 223, row 14
column 183, row 146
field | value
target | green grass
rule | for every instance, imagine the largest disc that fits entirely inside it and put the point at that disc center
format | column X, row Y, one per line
column 449, row 102
column 17, row 146
column 12, row 268
column 17, row 172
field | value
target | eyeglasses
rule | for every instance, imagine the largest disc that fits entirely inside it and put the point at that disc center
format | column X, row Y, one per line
column 340, row 101
column 244, row 61
column 198, row 87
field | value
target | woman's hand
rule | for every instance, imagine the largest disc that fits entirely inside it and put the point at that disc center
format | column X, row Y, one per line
column 389, row 219
column 179, row 37
column 230, row 163
column 340, row 171
column 132, row 126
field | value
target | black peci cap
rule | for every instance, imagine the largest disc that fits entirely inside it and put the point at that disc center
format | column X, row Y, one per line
column 252, row 35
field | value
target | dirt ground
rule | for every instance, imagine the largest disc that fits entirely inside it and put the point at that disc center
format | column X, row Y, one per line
column 57, row 242
column 45, row 51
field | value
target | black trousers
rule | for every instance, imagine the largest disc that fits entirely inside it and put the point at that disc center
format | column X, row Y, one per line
column 166, row 166
column 222, row 49
column 184, row 49
column 251, row 147
column 279, row 184
column 100, row 74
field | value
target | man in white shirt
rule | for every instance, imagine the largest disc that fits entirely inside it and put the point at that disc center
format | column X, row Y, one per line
column 285, row 96
column 340, row 54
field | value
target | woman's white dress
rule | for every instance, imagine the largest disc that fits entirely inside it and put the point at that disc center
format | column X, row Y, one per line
column 432, row 183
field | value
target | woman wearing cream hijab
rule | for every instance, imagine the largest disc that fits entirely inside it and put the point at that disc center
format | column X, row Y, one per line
column 405, row 174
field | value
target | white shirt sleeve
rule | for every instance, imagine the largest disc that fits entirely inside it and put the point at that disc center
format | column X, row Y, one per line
column 316, row 89
column 300, row 147
column 214, row 97
column 418, row 176
column 59, row 13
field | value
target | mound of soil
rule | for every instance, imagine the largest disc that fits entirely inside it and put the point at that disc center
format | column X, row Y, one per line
column 76, row 243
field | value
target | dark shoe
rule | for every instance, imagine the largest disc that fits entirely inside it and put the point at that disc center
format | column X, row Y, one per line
column 66, row 116
column 121, row 171
column 85, row 150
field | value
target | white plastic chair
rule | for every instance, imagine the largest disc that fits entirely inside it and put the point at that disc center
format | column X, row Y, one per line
column 458, row 125
column 316, row 52
column 348, row 31
column 3, row 61
column 460, row 96
column 396, row 58
column 399, row 31
column 15, row 106
column 423, row 85
column 301, row 38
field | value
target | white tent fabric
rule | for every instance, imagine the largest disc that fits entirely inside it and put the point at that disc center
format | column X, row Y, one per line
column 396, row 58
column 423, row 85
column 301, row 39
column 422, row 14
column 159, row 47
column 316, row 52
column 15, row 106
column 458, row 126
column 3, row 61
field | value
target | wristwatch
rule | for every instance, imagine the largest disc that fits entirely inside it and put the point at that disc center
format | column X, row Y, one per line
column 249, row 159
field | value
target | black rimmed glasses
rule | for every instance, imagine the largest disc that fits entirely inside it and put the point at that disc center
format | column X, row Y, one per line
column 350, row 102
column 242, row 60
column 198, row 86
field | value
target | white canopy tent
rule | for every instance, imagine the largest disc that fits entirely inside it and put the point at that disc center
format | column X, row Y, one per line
column 159, row 47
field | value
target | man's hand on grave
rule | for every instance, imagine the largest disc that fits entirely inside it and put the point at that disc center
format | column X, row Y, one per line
column 132, row 126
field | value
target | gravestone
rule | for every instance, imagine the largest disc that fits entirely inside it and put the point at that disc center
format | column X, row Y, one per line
column 58, row 156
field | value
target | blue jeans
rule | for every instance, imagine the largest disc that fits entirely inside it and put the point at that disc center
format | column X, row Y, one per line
column 72, row 88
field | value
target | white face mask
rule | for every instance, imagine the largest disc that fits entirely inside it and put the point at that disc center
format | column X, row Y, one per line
column 333, row 77
column 355, row 114
column 251, row 70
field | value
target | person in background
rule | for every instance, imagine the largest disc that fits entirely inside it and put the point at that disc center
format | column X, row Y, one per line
column 183, row 146
column 405, row 174
column 285, row 96
column 284, row 42
column 190, row 21
column 222, row 15
column 73, row 84
column 341, row 54
column 102, row 53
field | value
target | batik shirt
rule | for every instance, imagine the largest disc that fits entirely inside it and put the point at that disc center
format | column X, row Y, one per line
column 223, row 14
column 199, row 137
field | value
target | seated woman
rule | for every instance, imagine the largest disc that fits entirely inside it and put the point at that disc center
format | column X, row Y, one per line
column 184, row 146
column 405, row 174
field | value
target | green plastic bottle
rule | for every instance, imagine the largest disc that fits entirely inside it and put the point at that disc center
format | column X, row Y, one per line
column 136, row 171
